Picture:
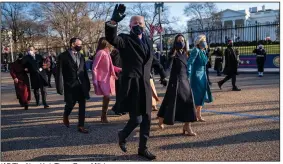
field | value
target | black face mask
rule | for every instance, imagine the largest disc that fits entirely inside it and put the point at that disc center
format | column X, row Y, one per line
column 180, row 45
column 230, row 45
column 137, row 30
column 78, row 48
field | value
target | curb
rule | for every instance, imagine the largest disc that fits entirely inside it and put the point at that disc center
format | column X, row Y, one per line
column 252, row 72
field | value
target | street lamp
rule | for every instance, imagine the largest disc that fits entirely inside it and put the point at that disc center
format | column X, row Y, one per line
column 158, row 9
column 11, row 44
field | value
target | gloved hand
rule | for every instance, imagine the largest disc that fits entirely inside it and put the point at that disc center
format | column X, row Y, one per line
column 163, row 82
column 118, row 13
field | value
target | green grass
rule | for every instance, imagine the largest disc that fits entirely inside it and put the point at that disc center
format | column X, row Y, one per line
column 248, row 50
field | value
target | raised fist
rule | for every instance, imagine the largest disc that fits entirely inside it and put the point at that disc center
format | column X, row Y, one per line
column 118, row 13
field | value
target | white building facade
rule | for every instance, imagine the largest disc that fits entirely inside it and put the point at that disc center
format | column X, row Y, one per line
column 240, row 25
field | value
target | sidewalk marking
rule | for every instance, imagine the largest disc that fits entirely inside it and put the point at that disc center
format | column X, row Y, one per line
column 244, row 115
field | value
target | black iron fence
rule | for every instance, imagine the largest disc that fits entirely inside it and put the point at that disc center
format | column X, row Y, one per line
column 246, row 38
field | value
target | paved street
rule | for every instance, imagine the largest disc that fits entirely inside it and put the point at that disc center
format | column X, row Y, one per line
column 241, row 126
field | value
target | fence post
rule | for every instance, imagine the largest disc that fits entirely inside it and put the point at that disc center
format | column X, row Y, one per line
column 221, row 28
column 256, row 38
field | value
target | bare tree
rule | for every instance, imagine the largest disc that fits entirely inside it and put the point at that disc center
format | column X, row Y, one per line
column 98, row 14
column 67, row 20
column 206, row 15
column 147, row 10
column 13, row 17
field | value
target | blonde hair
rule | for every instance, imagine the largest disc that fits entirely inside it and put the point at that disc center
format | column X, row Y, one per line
column 199, row 39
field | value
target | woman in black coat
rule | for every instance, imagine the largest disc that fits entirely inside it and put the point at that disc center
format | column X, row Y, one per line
column 178, row 103
column 218, row 60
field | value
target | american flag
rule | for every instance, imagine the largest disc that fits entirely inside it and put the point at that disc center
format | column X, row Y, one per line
column 157, row 28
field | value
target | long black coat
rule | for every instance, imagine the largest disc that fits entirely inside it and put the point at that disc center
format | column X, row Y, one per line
column 158, row 68
column 135, row 94
column 76, row 81
column 231, row 62
column 178, row 103
column 37, row 78
column 218, row 60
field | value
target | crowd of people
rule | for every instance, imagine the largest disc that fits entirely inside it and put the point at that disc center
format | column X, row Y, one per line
column 123, row 66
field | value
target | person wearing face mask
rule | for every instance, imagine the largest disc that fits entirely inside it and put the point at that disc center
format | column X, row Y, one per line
column 104, row 75
column 260, row 59
column 72, row 78
column 197, row 73
column 21, row 81
column 34, row 63
column 218, row 60
column 178, row 103
column 46, row 63
column 231, row 66
column 136, row 51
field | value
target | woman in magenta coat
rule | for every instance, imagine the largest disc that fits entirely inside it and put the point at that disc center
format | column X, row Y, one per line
column 103, row 75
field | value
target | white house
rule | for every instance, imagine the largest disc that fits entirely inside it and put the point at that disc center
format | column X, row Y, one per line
column 245, row 21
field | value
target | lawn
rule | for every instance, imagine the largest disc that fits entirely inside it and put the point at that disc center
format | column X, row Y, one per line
column 248, row 50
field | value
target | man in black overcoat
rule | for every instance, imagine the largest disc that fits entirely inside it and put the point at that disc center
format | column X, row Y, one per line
column 136, row 51
column 231, row 66
column 33, row 63
column 71, row 69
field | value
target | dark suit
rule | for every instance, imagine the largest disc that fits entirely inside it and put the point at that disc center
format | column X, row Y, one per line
column 135, row 92
column 231, row 66
column 76, row 83
column 38, row 77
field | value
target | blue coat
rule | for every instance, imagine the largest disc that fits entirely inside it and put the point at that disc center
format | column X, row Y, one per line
column 196, row 65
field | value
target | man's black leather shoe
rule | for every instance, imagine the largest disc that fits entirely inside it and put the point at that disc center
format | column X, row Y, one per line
column 122, row 142
column 147, row 154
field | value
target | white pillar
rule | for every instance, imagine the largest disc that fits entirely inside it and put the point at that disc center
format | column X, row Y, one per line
column 245, row 30
column 223, row 32
column 233, row 31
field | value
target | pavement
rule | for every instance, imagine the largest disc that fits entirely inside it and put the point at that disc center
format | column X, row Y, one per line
column 240, row 126
column 254, row 70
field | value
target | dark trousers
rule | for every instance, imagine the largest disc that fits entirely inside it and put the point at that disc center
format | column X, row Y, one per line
column 144, row 121
column 49, row 74
column 218, row 71
column 116, row 106
column 43, row 95
column 228, row 77
column 260, row 64
column 69, row 107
